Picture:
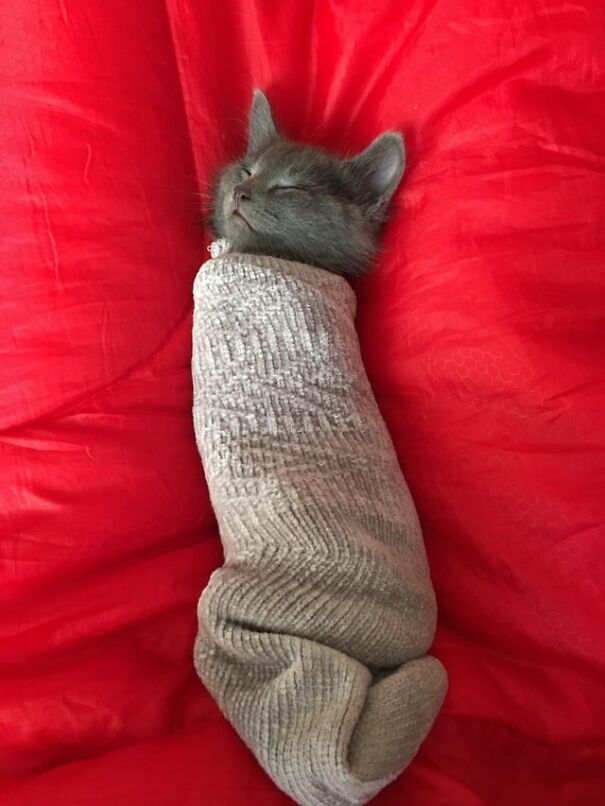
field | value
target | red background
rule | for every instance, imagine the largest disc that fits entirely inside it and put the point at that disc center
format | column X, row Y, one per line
column 482, row 331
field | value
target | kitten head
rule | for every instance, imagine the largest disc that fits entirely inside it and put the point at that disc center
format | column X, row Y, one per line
column 299, row 202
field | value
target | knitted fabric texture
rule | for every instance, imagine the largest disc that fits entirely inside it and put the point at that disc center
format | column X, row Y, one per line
column 313, row 634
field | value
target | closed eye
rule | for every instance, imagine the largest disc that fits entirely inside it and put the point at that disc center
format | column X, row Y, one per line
column 246, row 170
column 287, row 187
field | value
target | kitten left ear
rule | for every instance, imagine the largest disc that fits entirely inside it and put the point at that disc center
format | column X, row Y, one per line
column 380, row 167
column 261, row 127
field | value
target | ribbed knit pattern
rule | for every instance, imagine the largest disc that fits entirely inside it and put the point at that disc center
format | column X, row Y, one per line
column 313, row 635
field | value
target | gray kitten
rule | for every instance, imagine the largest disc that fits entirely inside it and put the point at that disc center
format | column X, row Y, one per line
column 298, row 202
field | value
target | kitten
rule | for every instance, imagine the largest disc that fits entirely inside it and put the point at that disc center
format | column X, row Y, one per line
column 295, row 201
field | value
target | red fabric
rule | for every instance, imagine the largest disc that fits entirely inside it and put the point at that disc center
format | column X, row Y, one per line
column 483, row 335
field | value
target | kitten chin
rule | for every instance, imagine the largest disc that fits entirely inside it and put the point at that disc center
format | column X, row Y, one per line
column 298, row 202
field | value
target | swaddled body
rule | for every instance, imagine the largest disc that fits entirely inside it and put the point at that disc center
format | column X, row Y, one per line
column 313, row 635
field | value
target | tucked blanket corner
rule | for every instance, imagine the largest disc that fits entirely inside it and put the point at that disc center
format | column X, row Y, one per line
column 314, row 633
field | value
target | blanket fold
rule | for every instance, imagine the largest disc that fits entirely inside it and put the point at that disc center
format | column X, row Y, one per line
column 313, row 635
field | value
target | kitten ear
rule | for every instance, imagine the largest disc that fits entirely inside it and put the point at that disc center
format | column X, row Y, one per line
column 379, row 168
column 261, row 127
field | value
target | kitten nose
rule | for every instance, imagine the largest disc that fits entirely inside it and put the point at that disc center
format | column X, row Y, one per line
column 241, row 194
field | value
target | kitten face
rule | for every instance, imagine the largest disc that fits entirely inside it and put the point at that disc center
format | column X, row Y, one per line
column 298, row 202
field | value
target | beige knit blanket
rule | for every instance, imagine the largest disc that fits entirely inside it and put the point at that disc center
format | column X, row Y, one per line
column 314, row 633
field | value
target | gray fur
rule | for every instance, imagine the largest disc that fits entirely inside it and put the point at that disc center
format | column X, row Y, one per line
column 298, row 202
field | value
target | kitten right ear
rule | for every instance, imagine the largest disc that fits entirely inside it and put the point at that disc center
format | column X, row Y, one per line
column 379, row 168
column 261, row 127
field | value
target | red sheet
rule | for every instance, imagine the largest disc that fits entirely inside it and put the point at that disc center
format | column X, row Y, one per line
column 483, row 335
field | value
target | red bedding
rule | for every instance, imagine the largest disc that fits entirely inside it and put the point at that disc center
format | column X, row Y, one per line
column 482, row 331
